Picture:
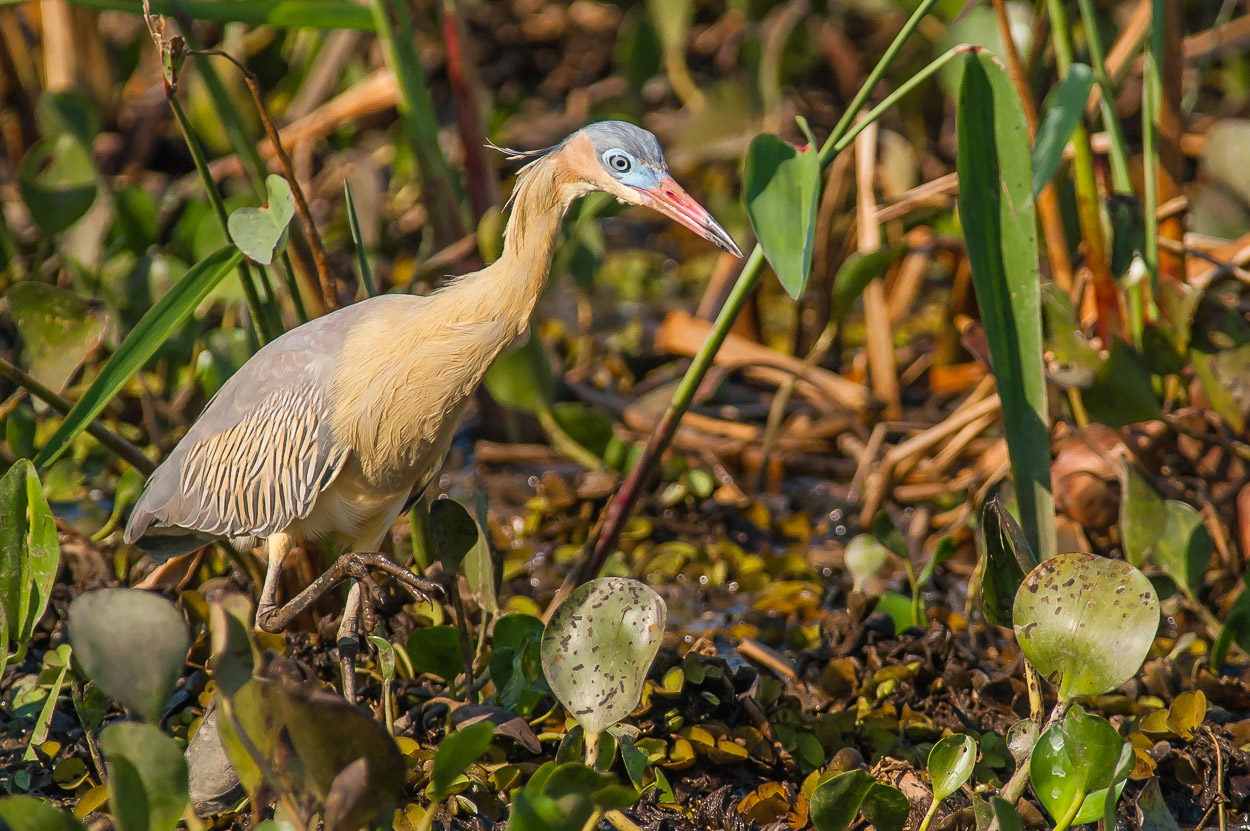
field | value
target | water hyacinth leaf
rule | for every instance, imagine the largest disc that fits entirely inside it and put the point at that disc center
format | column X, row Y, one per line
column 1122, row 392
column 147, row 777
column 1143, row 518
column 864, row 557
column 598, row 647
column 835, row 803
column 1005, row 559
column 1005, row 815
column 56, row 179
column 1074, row 764
column 454, row 755
column 1064, row 110
column 234, row 651
column 310, row 737
column 30, row 813
column 1185, row 547
column 521, row 378
column 436, row 650
column 1086, row 622
column 950, row 764
column 996, row 213
column 885, row 807
column 58, row 328
column 138, row 672
column 157, row 325
column 260, row 232
column 781, row 189
column 454, row 531
column 29, row 556
column 563, row 797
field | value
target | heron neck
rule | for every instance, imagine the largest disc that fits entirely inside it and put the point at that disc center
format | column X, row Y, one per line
column 509, row 288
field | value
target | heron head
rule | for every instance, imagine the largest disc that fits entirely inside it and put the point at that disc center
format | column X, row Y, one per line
column 626, row 161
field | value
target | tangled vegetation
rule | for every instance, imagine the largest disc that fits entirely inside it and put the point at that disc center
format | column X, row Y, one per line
column 944, row 527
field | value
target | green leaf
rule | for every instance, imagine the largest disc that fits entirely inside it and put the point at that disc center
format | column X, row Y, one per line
column 132, row 644
column 900, row 609
column 598, row 647
column 261, row 232
column 521, row 379
column 57, row 181
column 1220, row 354
column 564, row 797
column 30, row 555
column 950, row 764
column 454, row 531
column 1143, row 518
column 857, row 272
column 1005, row 559
column 312, row 738
column 1005, row 815
column 997, row 216
column 436, row 650
column 29, row 813
column 944, row 551
column 70, row 111
column 234, row 651
column 1121, row 392
column 161, row 321
column 58, row 329
column 1236, row 627
column 284, row 14
column 836, row 802
column 1185, row 547
column 1075, row 761
column 885, row 808
column 1065, row 109
column 1152, row 812
column 1086, row 621
column 781, row 188
column 454, row 755
column 147, row 779
column 1077, row 360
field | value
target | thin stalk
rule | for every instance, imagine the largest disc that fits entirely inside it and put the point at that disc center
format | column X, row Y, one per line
column 416, row 113
column 1150, row 171
column 320, row 260
column 466, row 637
column 1088, row 202
column 929, row 814
column 1117, row 155
column 1066, row 821
column 362, row 256
column 781, row 400
column 603, row 538
column 261, row 317
column 122, row 448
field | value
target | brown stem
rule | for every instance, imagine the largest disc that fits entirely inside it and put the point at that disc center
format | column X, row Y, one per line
column 1171, row 126
column 329, row 298
column 124, row 449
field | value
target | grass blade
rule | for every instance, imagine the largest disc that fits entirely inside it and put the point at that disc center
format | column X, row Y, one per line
column 997, row 215
column 286, row 14
column 1064, row 107
column 362, row 256
column 140, row 345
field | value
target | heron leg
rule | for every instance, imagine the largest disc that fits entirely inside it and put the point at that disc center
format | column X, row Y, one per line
column 349, row 640
column 272, row 618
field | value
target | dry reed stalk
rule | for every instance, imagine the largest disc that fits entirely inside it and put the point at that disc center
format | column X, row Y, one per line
column 881, row 368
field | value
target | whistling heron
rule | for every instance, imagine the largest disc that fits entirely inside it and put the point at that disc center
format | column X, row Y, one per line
column 331, row 429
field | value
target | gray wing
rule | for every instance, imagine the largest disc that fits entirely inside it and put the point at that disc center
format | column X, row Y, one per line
column 261, row 452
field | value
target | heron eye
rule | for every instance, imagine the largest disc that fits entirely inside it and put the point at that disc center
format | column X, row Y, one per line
column 618, row 161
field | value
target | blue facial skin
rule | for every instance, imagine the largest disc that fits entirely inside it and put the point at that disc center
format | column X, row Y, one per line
column 627, row 170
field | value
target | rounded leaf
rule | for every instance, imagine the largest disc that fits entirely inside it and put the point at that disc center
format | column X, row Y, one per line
column 59, row 329
column 57, row 181
column 598, row 646
column 864, row 557
column 132, row 644
column 33, row 814
column 147, row 777
column 1086, row 622
column 950, row 764
column 260, row 232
